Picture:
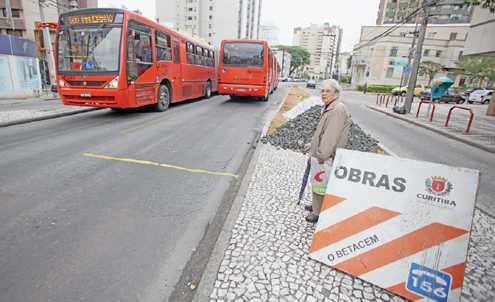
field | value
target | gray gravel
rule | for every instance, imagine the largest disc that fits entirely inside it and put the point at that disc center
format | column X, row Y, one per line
column 297, row 132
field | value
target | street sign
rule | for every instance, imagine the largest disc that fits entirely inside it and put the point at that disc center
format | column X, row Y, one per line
column 406, row 69
column 400, row 224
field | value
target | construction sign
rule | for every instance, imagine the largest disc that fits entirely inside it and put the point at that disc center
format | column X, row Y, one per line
column 400, row 224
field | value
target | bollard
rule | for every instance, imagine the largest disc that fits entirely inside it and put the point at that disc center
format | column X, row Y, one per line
column 470, row 119
column 432, row 112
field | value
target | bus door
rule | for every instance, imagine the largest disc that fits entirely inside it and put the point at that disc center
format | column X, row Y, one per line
column 140, row 68
column 177, row 73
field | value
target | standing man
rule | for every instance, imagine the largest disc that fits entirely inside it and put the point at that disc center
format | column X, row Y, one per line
column 331, row 133
column 365, row 87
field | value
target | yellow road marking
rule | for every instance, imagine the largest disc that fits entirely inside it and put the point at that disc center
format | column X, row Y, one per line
column 125, row 131
column 157, row 164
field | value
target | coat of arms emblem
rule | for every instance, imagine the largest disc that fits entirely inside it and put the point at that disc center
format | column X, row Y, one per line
column 438, row 186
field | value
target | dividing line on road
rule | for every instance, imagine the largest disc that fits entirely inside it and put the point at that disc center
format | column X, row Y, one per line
column 125, row 131
column 157, row 164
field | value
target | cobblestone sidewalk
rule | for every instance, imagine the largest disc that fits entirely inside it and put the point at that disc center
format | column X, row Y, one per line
column 267, row 257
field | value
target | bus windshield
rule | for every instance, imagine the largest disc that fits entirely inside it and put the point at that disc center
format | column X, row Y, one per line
column 89, row 49
column 243, row 54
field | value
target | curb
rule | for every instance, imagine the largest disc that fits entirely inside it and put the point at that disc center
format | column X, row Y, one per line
column 46, row 117
column 206, row 285
column 460, row 139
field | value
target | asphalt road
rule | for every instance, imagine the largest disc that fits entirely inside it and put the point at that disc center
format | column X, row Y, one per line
column 410, row 141
column 97, row 206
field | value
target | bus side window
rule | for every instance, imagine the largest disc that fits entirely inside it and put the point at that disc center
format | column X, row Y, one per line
column 130, row 46
column 191, row 58
column 162, row 45
column 146, row 50
column 199, row 56
column 212, row 56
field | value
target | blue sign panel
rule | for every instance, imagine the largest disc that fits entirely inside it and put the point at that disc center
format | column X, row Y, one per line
column 5, row 46
column 429, row 283
column 23, row 47
column 88, row 65
column 406, row 69
column 224, row 70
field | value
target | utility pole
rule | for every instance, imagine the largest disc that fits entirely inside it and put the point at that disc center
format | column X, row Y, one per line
column 410, row 55
column 417, row 58
column 48, row 48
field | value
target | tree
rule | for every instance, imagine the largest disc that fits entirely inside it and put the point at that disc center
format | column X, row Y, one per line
column 477, row 67
column 430, row 68
column 300, row 56
column 349, row 63
column 490, row 4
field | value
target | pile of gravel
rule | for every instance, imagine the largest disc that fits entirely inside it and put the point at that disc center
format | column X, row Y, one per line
column 297, row 132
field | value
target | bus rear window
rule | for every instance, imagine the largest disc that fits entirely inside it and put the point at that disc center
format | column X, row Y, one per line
column 243, row 54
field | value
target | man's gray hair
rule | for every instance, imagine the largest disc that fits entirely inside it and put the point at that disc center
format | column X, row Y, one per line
column 334, row 84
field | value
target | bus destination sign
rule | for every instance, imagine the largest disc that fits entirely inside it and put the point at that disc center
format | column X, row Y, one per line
column 91, row 19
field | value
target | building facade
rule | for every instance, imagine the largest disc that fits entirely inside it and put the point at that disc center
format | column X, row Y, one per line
column 382, row 62
column 445, row 12
column 270, row 32
column 323, row 42
column 209, row 20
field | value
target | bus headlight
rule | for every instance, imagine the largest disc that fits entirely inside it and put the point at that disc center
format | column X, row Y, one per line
column 113, row 83
column 62, row 83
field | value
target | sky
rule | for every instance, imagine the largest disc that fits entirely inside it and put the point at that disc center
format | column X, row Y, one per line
column 288, row 14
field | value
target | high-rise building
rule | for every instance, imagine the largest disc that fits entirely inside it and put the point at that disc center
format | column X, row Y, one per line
column 212, row 20
column 445, row 12
column 323, row 42
column 270, row 33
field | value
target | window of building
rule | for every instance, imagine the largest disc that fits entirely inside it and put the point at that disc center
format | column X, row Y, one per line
column 426, row 53
column 209, row 35
column 15, row 33
column 211, row 7
column 189, row 9
column 390, row 72
column 15, row 13
column 457, row 7
column 211, row 17
column 403, row 34
column 392, row 10
column 393, row 52
column 456, row 17
column 209, row 26
column 460, row 56
column 189, row 1
column 189, row 18
column 438, row 54
column 431, row 35
column 453, row 36
column 195, row 9
column 390, row 19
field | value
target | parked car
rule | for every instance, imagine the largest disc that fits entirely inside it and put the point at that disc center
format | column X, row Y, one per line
column 403, row 91
column 311, row 84
column 284, row 79
column 480, row 96
column 447, row 97
column 470, row 90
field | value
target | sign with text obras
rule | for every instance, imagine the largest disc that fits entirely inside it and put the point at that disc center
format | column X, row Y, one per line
column 400, row 224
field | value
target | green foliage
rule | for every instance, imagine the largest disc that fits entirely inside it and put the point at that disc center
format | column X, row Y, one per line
column 300, row 56
column 430, row 68
column 350, row 79
column 343, row 80
column 349, row 62
column 490, row 4
column 377, row 88
column 477, row 67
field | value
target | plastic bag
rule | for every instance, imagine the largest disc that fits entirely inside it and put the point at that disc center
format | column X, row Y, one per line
column 320, row 175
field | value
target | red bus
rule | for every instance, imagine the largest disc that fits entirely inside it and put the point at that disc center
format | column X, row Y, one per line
column 247, row 68
column 118, row 59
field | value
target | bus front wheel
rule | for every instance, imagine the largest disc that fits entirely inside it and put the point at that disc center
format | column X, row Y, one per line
column 163, row 99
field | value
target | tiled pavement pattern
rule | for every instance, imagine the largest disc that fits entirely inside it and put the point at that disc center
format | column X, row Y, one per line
column 267, row 257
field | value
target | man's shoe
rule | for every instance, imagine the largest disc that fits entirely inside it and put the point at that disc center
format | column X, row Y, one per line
column 309, row 207
column 312, row 218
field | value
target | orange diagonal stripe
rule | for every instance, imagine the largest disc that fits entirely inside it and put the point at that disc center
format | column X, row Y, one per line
column 330, row 201
column 351, row 226
column 400, row 248
column 457, row 273
column 401, row 290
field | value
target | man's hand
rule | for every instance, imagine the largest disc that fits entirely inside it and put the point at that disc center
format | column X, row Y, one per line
column 307, row 146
